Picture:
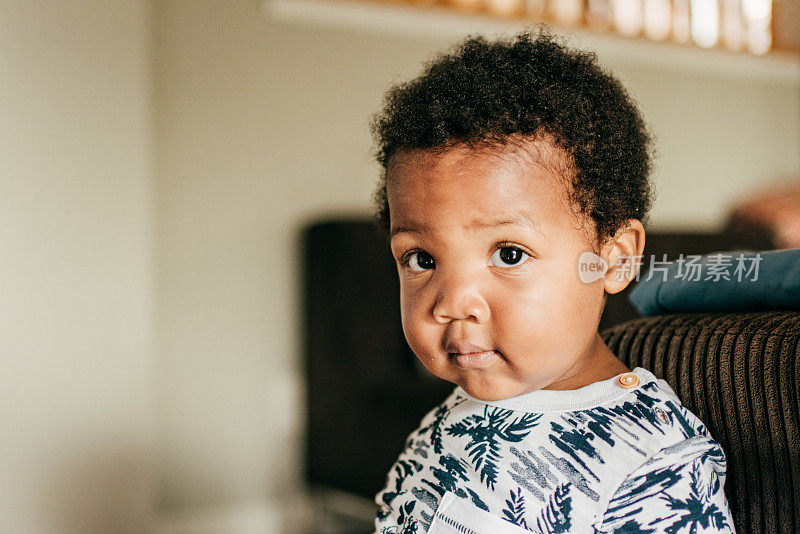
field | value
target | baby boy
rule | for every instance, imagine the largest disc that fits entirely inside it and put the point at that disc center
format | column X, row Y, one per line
column 506, row 165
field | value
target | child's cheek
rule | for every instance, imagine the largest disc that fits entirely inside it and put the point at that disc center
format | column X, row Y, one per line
column 412, row 316
column 424, row 345
column 423, row 334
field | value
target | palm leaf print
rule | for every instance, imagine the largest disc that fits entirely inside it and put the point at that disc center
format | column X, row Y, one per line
column 476, row 499
column 696, row 507
column 419, row 447
column 515, row 509
column 485, row 433
column 409, row 525
column 582, row 435
column 405, row 468
column 556, row 516
column 435, row 427
column 428, row 499
column 632, row 527
column 644, row 487
column 455, row 470
column 677, row 481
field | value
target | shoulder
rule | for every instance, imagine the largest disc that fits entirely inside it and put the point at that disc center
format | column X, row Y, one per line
column 669, row 409
column 681, row 479
column 647, row 425
column 656, row 404
column 679, row 486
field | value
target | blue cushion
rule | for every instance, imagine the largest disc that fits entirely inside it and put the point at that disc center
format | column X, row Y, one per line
column 722, row 281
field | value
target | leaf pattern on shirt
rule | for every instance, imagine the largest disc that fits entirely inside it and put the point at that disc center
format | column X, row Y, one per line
column 485, row 433
column 684, row 479
column 538, row 470
column 514, row 510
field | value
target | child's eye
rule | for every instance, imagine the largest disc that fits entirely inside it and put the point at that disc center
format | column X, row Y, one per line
column 420, row 261
column 509, row 257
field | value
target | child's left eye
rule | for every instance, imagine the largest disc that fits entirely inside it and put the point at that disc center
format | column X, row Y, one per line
column 509, row 257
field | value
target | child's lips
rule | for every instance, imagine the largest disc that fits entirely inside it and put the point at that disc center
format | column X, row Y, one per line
column 475, row 360
column 463, row 347
column 467, row 355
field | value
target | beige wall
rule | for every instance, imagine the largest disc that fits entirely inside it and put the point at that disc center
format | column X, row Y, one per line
column 76, row 272
column 261, row 127
column 719, row 138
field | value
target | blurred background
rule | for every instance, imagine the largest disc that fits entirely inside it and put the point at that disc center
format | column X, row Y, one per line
column 162, row 163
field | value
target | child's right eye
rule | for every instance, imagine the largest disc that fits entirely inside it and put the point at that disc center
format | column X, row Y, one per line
column 420, row 261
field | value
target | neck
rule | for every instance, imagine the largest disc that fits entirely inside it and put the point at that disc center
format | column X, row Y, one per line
column 599, row 364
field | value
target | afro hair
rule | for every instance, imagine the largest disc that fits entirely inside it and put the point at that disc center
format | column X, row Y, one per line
column 482, row 93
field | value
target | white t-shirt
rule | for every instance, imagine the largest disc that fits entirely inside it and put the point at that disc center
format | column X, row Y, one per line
column 602, row 458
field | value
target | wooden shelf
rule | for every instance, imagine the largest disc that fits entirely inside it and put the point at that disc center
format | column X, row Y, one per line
column 431, row 23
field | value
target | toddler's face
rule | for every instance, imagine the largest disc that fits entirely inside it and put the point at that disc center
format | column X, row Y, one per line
column 487, row 251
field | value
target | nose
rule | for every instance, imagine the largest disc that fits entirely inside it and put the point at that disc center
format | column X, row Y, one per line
column 459, row 297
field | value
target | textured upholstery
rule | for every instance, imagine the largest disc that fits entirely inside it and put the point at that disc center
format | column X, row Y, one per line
column 739, row 373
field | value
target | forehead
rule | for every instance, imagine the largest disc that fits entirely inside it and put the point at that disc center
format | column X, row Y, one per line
column 530, row 181
column 539, row 150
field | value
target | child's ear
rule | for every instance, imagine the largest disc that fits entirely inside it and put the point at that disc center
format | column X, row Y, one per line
column 623, row 255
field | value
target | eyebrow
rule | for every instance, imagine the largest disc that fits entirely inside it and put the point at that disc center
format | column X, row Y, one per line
column 478, row 225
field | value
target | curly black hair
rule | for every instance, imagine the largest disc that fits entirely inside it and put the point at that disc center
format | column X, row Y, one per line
column 485, row 92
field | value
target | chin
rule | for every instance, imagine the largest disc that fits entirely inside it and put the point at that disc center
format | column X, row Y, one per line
column 493, row 396
column 489, row 392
